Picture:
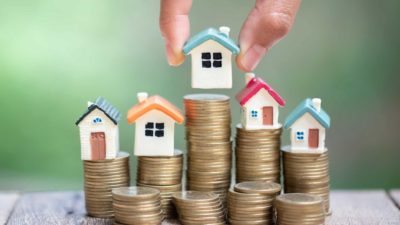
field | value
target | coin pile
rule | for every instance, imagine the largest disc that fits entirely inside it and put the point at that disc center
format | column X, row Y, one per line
column 307, row 173
column 299, row 208
column 257, row 154
column 163, row 173
column 208, row 134
column 199, row 208
column 252, row 202
column 100, row 177
column 137, row 205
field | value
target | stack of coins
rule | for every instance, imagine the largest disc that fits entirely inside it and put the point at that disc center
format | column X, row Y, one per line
column 252, row 202
column 199, row 208
column 163, row 173
column 137, row 206
column 208, row 134
column 100, row 177
column 307, row 173
column 299, row 208
column 258, row 154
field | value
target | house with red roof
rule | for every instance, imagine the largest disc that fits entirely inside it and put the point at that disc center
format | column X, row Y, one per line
column 155, row 120
column 260, row 104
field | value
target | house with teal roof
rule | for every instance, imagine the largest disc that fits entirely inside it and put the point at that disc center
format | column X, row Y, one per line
column 211, row 51
column 308, row 123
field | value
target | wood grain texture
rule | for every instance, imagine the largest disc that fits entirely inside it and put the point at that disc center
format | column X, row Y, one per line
column 7, row 202
column 395, row 194
column 55, row 208
column 362, row 207
column 63, row 208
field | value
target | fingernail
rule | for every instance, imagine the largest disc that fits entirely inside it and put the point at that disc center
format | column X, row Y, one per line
column 175, row 57
column 170, row 54
column 252, row 57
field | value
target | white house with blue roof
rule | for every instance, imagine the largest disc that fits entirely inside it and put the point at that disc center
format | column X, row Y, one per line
column 308, row 122
column 98, row 128
column 211, row 52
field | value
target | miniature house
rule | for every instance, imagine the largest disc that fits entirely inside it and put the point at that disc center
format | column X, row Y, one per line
column 308, row 123
column 155, row 119
column 260, row 104
column 98, row 128
column 211, row 52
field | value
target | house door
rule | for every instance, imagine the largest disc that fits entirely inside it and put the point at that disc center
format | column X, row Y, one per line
column 268, row 115
column 98, row 143
column 313, row 138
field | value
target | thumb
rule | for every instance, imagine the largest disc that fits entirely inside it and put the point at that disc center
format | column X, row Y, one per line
column 267, row 23
column 175, row 28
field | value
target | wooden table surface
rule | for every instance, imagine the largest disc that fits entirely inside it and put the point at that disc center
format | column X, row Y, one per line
column 52, row 208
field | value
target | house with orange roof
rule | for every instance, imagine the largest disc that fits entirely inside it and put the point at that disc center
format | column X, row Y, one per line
column 155, row 119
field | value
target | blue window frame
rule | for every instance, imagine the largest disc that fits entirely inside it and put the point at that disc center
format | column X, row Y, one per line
column 97, row 120
column 300, row 135
column 253, row 113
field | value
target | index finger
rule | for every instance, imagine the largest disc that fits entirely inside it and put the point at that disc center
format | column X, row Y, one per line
column 175, row 27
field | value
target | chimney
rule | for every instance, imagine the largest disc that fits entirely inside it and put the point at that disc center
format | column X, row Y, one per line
column 89, row 103
column 249, row 77
column 142, row 96
column 317, row 104
column 225, row 30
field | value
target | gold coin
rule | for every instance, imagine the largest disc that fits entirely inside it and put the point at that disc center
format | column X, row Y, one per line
column 260, row 187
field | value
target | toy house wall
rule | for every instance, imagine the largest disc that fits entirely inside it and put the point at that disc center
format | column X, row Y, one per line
column 86, row 127
column 257, row 102
column 304, row 123
column 154, row 146
column 211, row 77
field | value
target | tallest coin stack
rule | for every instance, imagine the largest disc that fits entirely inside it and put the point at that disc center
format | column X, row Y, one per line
column 208, row 136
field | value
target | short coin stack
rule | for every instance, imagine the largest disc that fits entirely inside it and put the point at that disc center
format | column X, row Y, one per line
column 100, row 177
column 163, row 173
column 307, row 173
column 252, row 202
column 208, row 134
column 257, row 154
column 299, row 208
column 137, row 206
column 199, row 208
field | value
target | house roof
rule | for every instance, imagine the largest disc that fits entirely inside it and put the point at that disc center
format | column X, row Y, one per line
column 252, row 88
column 307, row 106
column 155, row 102
column 104, row 106
column 211, row 34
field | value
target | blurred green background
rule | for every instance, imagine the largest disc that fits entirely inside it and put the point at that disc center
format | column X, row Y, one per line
column 56, row 55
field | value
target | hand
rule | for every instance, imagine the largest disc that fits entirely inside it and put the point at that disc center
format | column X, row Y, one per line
column 267, row 23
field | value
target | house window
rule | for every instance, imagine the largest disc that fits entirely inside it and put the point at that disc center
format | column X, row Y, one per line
column 154, row 129
column 97, row 120
column 211, row 60
column 253, row 113
column 300, row 135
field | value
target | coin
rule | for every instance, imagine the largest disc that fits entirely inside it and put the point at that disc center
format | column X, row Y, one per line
column 196, row 207
column 137, row 205
column 254, row 205
column 299, row 208
column 257, row 154
column 306, row 173
column 259, row 187
column 99, row 178
column 163, row 173
column 208, row 136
